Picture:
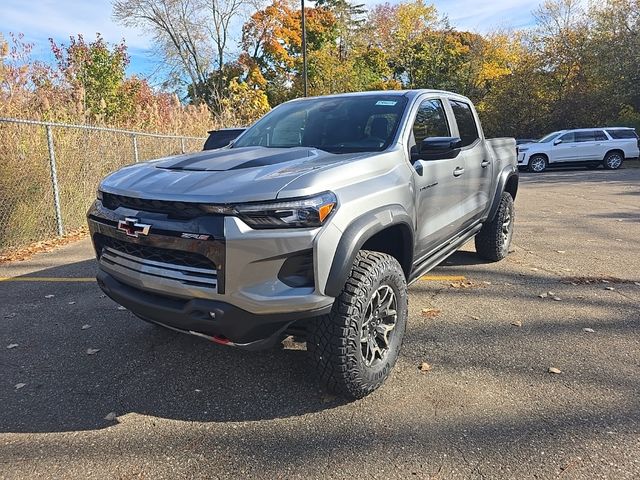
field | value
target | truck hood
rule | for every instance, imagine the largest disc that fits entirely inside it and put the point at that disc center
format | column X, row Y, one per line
column 222, row 176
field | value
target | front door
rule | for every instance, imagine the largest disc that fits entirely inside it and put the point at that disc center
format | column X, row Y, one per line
column 438, row 186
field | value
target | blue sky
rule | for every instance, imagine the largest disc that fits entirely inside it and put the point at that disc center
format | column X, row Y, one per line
column 40, row 19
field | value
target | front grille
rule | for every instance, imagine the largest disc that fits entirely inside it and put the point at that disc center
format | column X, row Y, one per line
column 168, row 269
column 181, row 210
column 162, row 255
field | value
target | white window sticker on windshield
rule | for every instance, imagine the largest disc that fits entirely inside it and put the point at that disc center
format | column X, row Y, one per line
column 386, row 103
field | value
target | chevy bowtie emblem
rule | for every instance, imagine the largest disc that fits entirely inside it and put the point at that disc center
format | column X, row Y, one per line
column 131, row 227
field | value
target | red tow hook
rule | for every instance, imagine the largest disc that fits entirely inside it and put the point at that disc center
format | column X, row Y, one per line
column 221, row 340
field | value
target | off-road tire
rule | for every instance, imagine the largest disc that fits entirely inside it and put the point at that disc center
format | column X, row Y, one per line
column 334, row 342
column 492, row 242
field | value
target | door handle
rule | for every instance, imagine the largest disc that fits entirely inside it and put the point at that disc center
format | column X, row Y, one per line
column 458, row 171
column 485, row 163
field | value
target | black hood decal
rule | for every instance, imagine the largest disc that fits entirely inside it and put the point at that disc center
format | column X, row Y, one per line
column 237, row 158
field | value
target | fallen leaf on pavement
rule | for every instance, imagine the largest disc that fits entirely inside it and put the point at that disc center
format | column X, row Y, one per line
column 110, row 416
column 424, row 367
column 557, row 299
column 430, row 312
column 49, row 296
column 10, row 315
column 474, row 317
column 84, row 327
column 92, row 351
column 543, row 295
column 120, row 307
column 588, row 330
column 516, row 323
column 12, row 345
column 561, row 251
column 555, row 370
column 609, row 288
column 71, row 303
column 102, row 296
column 18, row 386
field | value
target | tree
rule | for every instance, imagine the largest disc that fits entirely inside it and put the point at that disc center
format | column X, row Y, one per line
column 95, row 72
column 193, row 37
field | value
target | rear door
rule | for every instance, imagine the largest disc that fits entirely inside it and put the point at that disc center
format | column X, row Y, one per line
column 586, row 148
column 438, row 192
column 477, row 163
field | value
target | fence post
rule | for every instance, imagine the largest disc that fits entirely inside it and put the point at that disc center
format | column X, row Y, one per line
column 54, row 181
column 182, row 144
column 135, row 147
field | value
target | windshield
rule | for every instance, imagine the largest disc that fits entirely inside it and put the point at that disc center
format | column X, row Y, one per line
column 548, row 138
column 363, row 123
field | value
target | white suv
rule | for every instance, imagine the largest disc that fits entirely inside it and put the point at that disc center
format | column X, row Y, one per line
column 591, row 147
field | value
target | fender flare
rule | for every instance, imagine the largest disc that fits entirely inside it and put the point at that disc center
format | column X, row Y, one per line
column 356, row 234
column 506, row 175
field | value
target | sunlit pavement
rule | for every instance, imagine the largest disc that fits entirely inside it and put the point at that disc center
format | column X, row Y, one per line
column 151, row 403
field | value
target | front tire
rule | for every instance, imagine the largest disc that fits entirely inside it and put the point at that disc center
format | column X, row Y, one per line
column 537, row 164
column 613, row 160
column 494, row 239
column 355, row 346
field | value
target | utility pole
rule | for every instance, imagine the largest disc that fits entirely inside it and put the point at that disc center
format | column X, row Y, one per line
column 304, row 53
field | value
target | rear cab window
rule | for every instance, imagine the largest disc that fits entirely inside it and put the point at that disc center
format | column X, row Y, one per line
column 467, row 127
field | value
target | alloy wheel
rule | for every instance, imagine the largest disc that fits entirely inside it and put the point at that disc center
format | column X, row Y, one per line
column 380, row 319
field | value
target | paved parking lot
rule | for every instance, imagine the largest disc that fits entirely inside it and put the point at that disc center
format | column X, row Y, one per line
column 156, row 404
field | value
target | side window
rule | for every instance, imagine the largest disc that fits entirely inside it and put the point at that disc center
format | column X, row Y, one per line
column 466, row 123
column 568, row 137
column 431, row 121
column 585, row 137
column 600, row 136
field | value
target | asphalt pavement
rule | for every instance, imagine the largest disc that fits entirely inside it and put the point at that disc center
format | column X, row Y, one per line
column 89, row 391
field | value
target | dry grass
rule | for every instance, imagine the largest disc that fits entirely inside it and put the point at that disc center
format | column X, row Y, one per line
column 83, row 157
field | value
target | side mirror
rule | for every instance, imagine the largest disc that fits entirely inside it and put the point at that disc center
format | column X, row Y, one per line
column 436, row 148
column 558, row 141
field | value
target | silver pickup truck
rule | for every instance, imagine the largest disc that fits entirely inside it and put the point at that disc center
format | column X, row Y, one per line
column 312, row 224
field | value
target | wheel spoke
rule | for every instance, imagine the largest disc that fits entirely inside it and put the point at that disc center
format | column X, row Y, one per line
column 383, row 330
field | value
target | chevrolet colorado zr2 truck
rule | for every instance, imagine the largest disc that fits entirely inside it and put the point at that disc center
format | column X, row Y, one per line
column 312, row 223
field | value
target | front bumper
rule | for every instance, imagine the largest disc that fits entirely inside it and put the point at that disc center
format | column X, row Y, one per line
column 182, row 271
column 522, row 157
column 220, row 321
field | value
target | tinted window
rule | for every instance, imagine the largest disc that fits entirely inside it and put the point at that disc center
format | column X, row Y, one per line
column 221, row 138
column 431, row 121
column 617, row 134
column 585, row 137
column 600, row 136
column 548, row 138
column 357, row 123
column 466, row 123
column 568, row 137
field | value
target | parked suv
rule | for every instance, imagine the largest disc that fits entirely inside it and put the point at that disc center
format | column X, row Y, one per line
column 311, row 224
column 590, row 147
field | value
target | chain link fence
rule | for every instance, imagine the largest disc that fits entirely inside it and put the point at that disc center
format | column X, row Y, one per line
column 49, row 172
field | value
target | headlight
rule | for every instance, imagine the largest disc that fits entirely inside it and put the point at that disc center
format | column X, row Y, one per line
column 99, row 195
column 301, row 212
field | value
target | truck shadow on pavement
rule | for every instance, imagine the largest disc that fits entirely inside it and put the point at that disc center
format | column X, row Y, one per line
column 139, row 367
